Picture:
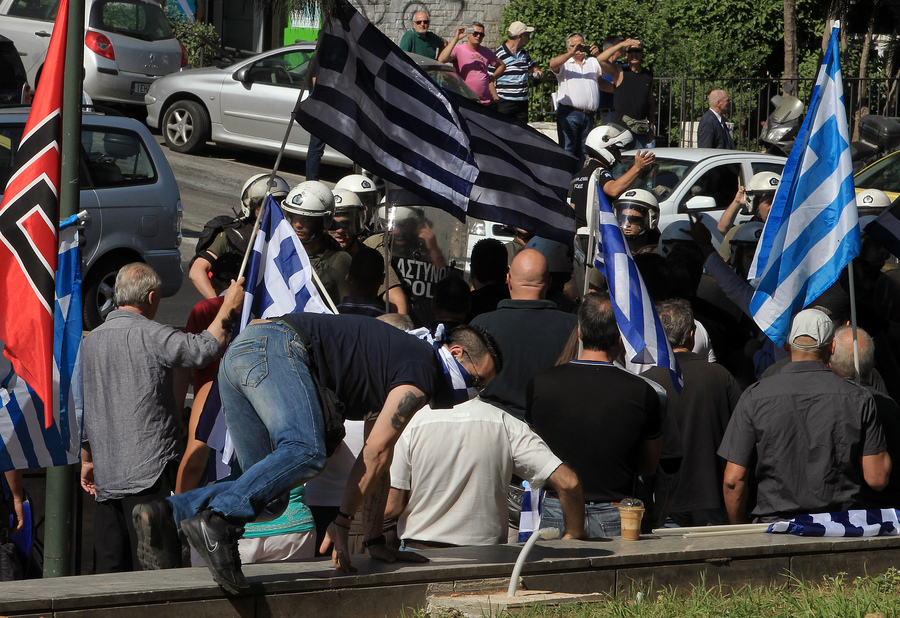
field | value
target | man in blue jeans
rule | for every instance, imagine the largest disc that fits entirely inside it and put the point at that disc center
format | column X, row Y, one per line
column 601, row 420
column 275, row 420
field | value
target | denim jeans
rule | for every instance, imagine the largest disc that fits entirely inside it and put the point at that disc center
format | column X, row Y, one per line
column 572, row 127
column 273, row 415
column 600, row 519
column 314, row 153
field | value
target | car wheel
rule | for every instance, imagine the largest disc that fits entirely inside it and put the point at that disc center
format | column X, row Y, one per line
column 185, row 126
column 97, row 297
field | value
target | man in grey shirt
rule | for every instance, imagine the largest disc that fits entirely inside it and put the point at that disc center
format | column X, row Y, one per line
column 132, row 436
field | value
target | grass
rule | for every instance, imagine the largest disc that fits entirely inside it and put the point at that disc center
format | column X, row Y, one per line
column 875, row 596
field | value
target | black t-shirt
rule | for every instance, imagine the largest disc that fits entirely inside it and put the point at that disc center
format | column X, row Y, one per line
column 362, row 359
column 595, row 416
column 632, row 96
column 578, row 188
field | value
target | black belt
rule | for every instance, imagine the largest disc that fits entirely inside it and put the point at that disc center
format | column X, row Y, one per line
column 586, row 112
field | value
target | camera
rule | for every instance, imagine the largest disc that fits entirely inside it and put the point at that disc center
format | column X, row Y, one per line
column 470, row 30
column 584, row 48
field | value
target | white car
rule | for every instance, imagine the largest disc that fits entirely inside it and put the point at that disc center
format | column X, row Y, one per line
column 127, row 44
column 696, row 180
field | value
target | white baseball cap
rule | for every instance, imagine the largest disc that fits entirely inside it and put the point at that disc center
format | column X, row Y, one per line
column 815, row 326
column 517, row 27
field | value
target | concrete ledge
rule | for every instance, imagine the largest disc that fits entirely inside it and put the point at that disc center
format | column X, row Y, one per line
column 379, row 589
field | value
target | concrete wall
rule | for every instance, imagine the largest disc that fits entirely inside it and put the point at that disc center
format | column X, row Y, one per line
column 394, row 17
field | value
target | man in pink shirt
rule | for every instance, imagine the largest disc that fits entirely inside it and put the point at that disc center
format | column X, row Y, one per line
column 472, row 60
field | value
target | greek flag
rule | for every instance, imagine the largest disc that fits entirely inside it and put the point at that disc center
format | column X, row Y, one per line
column 279, row 278
column 375, row 105
column 886, row 228
column 278, row 281
column 872, row 522
column 642, row 333
column 812, row 232
column 24, row 442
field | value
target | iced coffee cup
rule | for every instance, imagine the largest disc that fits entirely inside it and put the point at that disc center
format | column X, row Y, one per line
column 631, row 511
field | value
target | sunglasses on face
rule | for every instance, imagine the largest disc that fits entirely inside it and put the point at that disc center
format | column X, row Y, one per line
column 631, row 219
column 422, row 21
column 478, row 33
column 635, row 51
column 478, row 382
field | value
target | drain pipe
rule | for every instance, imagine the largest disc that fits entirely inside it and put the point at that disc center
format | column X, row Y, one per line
column 543, row 533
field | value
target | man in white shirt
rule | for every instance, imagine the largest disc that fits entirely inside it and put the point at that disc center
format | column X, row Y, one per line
column 451, row 471
column 580, row 80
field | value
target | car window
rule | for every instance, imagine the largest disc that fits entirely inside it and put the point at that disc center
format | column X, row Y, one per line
column 116, row 158
column 10, row 136
column 448, row 78
column 285, row 69
column 12, row 74
column 139, row 20
column 34, row 9
column 760, row 166
column 661, row 177
column 720, row 183
column 883, row 175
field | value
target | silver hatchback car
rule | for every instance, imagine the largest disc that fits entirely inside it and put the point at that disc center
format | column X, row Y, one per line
column 130, row 192
column 128, row 44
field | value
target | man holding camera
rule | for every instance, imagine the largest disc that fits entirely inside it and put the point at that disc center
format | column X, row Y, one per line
column 633, row 103
column 472, row 61
column 580, row 80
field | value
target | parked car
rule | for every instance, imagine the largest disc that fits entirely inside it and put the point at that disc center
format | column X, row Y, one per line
column 249, row 103
column 884, row 174
column 128, row 44
column 695, row 180
column 130, row 192
column 14, row 87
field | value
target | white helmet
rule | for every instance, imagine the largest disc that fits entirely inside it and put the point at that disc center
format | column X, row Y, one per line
column 356, row 183
column 606, row 142
column 311, row 199
column 871, row 201
column 347, row 203
column 256, row 188
column 675, row 232
column 644, row 202
column 761, row 184
column 747, row 235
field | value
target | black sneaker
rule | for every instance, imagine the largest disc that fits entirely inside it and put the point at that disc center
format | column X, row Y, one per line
column 217, row 543
column 159, row 546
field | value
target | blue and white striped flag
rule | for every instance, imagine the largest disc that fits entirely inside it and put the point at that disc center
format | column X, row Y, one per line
column 871, row 522
column 279, row 275
column 642, row 332
column 278, row 281
column 811, row 233
column 24, row 442
column 375, row 105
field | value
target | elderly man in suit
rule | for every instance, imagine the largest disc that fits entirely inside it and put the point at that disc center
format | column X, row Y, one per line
column 712, row 132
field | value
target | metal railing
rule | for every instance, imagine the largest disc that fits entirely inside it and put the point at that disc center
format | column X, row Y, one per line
column 680, row 102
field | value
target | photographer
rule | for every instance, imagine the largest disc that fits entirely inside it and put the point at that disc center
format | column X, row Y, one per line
column 473, row 60
column 633, row 102
column 580, row 80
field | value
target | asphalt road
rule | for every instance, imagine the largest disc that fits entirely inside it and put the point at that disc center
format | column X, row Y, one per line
column 210, row 185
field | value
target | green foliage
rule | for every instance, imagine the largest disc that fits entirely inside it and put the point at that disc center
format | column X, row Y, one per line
column 683, row 38
column 195, row 36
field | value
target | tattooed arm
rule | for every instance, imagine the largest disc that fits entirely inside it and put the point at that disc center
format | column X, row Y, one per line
column 368, row 474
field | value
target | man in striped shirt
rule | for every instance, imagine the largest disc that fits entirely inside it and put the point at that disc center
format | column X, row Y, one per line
column 512, row 87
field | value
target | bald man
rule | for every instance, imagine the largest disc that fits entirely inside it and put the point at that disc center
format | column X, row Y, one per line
column 531, row 331
column 712, row 132
column 420, row 39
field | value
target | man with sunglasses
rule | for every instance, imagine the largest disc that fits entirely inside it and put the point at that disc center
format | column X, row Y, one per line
column 473, row 60
column 420, row 40
column 633, row 102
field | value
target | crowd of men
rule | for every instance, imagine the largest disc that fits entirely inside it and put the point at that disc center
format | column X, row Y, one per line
column 421, row 409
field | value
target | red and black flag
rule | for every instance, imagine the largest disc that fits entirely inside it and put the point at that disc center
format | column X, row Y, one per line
column 29, row 222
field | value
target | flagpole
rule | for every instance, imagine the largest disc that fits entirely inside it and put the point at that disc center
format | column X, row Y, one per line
column 591, row 217
column 61, row 479
column 852, row 292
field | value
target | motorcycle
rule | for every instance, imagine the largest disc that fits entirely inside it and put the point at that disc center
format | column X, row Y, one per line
column 781, row 127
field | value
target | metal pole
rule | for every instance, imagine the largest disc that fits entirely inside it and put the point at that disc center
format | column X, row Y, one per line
column 852, row 292
column 61, row 479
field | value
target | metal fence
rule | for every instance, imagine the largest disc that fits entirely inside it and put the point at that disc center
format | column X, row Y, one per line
column 680, row 102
